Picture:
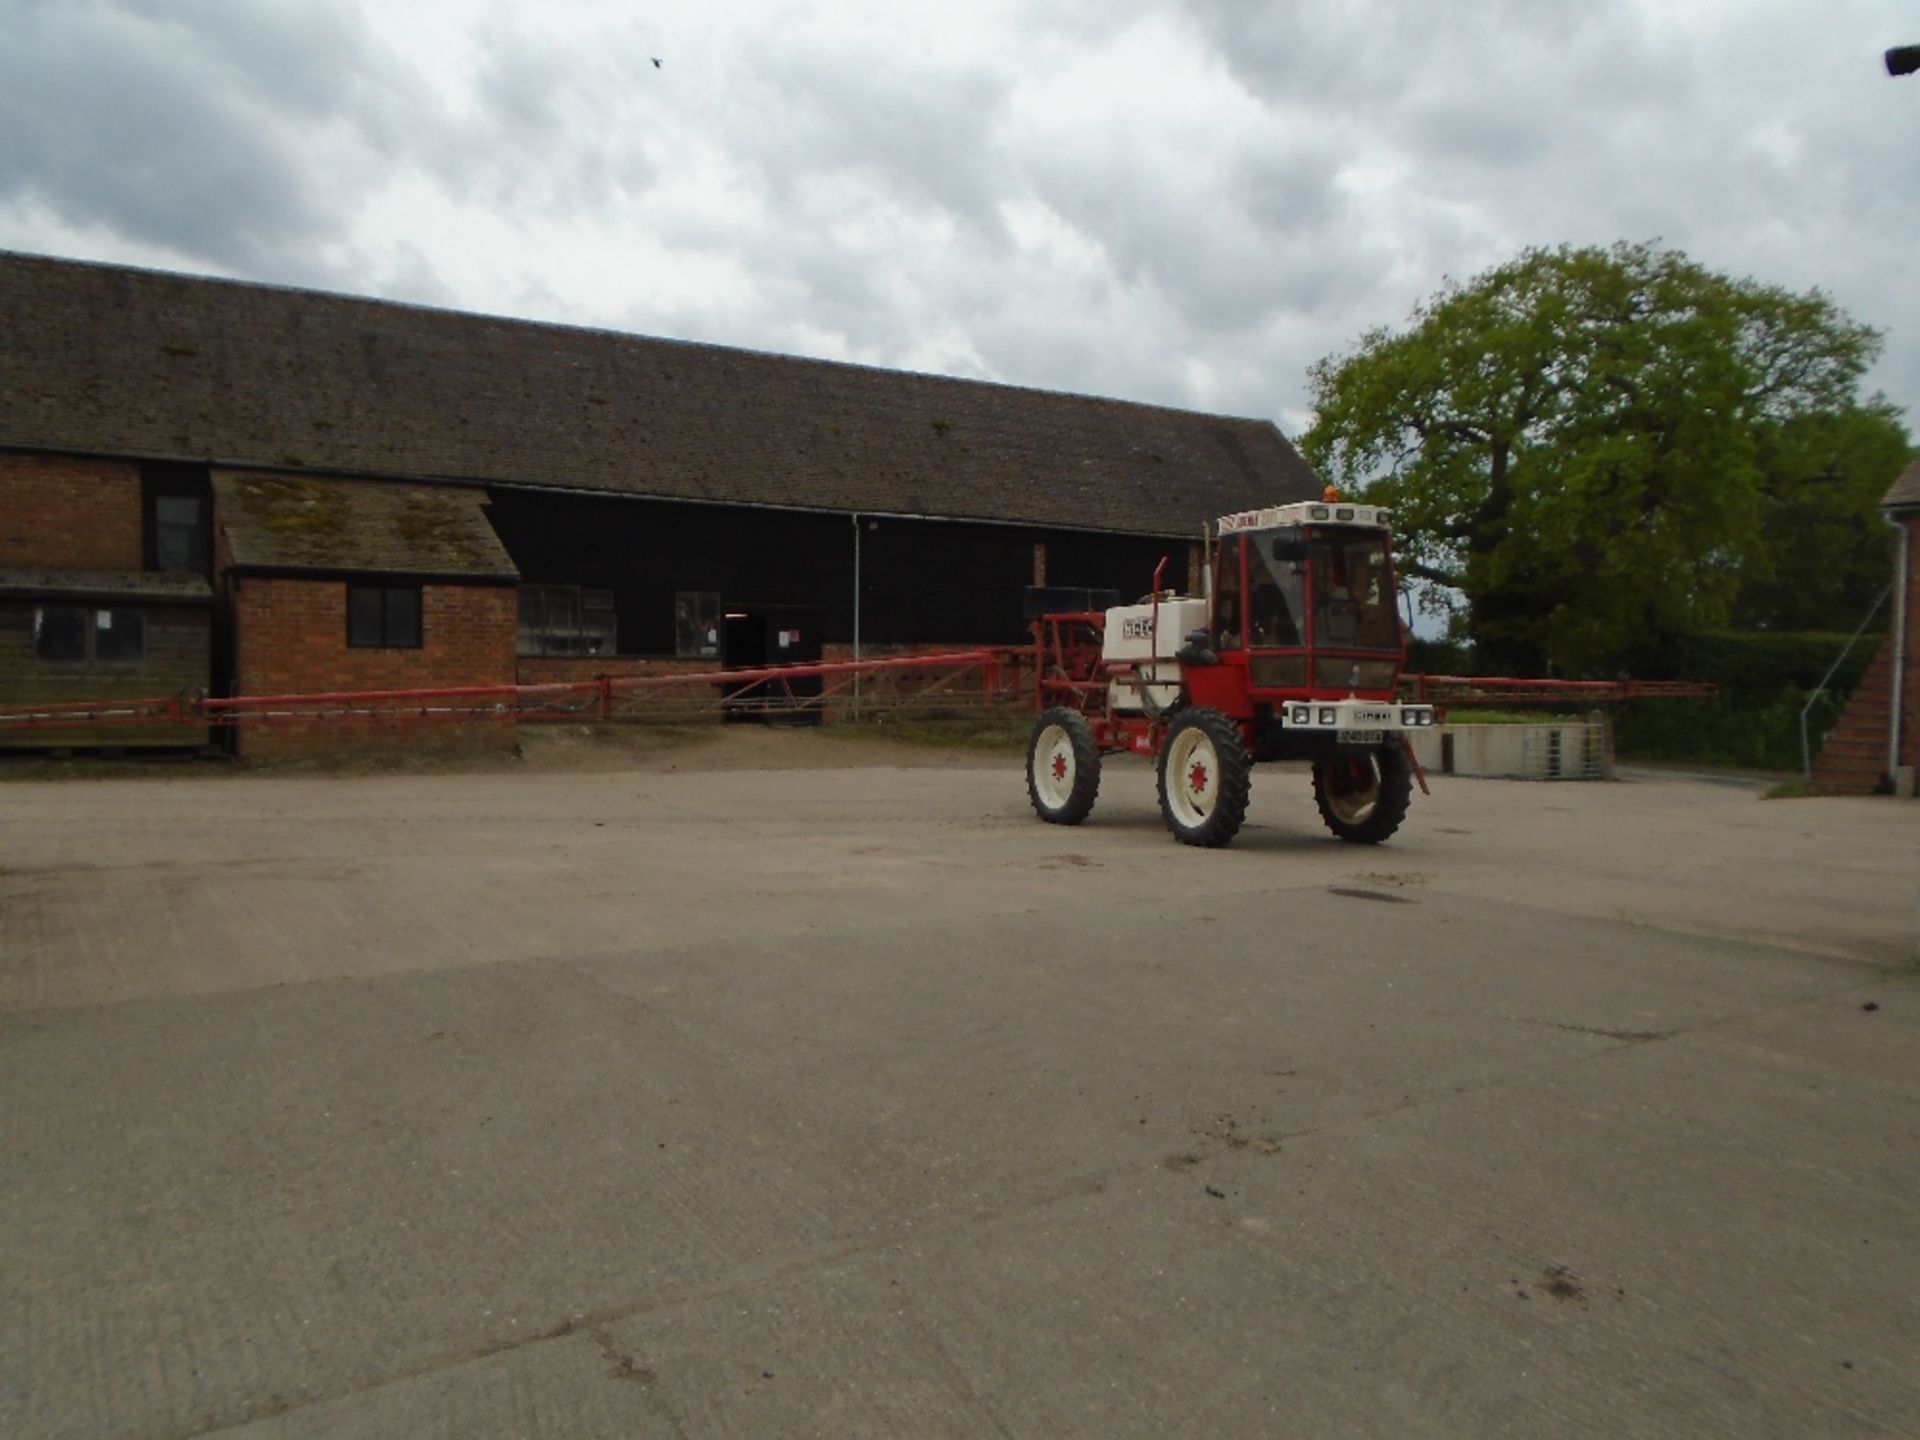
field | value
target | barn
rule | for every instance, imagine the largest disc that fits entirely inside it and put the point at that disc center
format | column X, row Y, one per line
column 377, row 495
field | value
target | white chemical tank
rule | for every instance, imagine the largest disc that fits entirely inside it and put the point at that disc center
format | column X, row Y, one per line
column 1139, row 645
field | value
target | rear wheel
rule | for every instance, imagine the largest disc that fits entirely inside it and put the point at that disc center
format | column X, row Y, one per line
column 1206, row 776
column 1063, row 767
column 1363, row 798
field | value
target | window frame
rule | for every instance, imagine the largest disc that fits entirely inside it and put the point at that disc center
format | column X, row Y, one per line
column 122, row 615
column 583, row 603
column 198, row 535
column 79, row 662
column 131, row 617
column 163, row 481
column 386, row 593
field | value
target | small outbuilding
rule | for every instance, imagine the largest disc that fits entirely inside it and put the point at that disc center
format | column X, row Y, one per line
column 339, row 585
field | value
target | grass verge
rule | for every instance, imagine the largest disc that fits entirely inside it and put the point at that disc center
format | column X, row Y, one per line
column 1795, row 789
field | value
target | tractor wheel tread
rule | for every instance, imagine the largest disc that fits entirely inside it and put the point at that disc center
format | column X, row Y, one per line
column 1234, row 780
column 1390, row 805
column 1077, row 804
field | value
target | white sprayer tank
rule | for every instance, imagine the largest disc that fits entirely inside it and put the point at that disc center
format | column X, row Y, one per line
column 1146, row 676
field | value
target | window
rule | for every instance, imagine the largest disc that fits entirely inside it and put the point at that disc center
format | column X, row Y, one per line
column 1277, row 607
column 1226, row 593
column 60, row 634
column 180, row 534
column 1354, row 603
column 696, row 624
column 114, row 638
column 177, row 504
column 384, row 616
column 119, row 637
column 566, row 620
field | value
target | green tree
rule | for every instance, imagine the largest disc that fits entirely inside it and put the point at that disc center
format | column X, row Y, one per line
column 1579, row 443
column 1824, row 554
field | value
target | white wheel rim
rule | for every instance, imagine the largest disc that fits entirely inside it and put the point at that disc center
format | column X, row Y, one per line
column 1354, row 807
column 1053, row 767
column 1193, row 777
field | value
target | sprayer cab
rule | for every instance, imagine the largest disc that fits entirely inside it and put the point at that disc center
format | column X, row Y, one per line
column 1304, row 595
column 1292, row 652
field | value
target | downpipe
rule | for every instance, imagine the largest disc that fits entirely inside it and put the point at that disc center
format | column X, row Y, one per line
column 1902, row 544
column 856, row 616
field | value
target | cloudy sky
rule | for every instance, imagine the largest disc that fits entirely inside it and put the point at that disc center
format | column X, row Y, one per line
column 1178, row 203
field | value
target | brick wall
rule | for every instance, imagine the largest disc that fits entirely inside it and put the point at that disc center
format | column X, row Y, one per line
column 290, row 637
column 1853, row 757
column 62, row 512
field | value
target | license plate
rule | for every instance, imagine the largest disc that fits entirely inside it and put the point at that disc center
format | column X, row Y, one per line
column 1359, row 737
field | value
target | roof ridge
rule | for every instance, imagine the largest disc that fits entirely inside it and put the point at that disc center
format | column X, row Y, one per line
column 421, row 307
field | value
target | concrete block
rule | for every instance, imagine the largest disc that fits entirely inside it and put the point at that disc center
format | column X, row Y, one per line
column 1563, row 750
column 1426, row 748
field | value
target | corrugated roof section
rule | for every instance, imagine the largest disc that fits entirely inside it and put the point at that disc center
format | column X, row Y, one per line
column 298, row 522
column 104, row 359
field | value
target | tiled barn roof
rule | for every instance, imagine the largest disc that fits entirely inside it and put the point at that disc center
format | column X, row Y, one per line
column 302, row 522
column 1906, row 490
column 105, row 359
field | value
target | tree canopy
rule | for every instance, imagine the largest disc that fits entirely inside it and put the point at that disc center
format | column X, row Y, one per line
column 1601, row 447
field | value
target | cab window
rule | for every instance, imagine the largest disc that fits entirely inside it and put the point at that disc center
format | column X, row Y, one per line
column 1226, row 594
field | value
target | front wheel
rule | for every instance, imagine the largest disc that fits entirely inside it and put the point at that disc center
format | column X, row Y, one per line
column 1363, row 798
column 1206, row 775
column 1063, row 767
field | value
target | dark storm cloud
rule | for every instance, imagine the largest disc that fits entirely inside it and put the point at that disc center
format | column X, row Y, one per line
column 190, row 128
column 100, row 131
column 1185, row 203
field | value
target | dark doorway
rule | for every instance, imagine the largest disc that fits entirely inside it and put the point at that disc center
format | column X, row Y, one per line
column 759, row 635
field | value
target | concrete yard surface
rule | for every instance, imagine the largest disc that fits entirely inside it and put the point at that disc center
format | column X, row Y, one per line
column 845, row 1098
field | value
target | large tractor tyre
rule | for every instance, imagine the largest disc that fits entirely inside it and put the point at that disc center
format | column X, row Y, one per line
column 1363, row 798
column 1063, row 767
column 1206, row 775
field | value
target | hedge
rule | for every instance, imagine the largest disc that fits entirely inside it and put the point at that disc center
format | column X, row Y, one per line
column 1764, row 680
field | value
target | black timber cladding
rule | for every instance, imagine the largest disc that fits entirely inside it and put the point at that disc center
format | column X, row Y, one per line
column 109, row 360
column 176, row 654
column 922, row 582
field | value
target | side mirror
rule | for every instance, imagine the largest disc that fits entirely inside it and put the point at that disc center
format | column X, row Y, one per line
column 1290, row 548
